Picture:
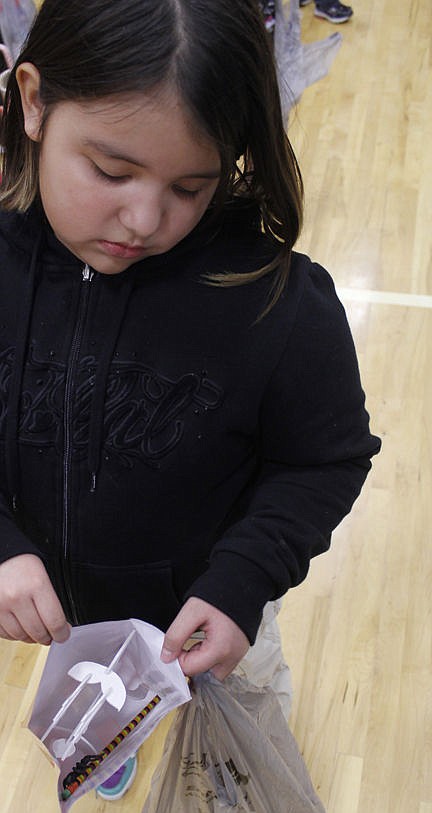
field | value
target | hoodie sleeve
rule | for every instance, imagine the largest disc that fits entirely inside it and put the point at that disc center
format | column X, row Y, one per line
column 12, row 540
column 315, row 450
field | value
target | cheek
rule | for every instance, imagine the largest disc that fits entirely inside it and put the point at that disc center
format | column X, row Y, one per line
column 86, row 206
column 68, row 191
column 185, row 222
column 195, row 213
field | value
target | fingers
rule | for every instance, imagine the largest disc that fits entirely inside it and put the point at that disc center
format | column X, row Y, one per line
column 29, row 608
column 220, row 651
column 25, row 626
column 219, row 658
column 51, row 615
column 196, row 662
column 22, row 637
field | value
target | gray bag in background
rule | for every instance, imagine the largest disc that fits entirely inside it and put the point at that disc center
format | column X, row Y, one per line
column 16, row 17
column 228, row 749
column 299, row 64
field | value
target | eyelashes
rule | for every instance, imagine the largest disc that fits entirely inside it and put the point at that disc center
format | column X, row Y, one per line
column 118, row 179
column 106, row 177
column 186, row 193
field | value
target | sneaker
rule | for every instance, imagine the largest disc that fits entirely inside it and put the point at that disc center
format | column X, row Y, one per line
column 269, row 13
column 116, row 786
column 305, row 3
column 334, row 13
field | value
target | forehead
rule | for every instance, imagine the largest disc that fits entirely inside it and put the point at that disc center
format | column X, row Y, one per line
column 138, row 126
column 157, row 105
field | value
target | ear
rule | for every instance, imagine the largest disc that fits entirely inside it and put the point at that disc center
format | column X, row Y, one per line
column 28, row 80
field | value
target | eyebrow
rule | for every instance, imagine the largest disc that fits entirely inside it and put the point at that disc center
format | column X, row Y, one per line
column 110, row 152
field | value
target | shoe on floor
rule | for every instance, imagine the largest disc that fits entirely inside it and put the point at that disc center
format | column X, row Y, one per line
column 334, row 13
column 116, row 786
column 268, row 12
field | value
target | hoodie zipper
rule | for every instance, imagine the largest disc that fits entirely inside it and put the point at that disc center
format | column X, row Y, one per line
column 87, row 276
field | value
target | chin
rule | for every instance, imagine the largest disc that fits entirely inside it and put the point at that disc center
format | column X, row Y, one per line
column 110, row 271
column 107, row 266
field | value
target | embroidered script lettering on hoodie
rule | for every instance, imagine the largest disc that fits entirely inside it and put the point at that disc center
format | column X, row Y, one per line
column 144, row 416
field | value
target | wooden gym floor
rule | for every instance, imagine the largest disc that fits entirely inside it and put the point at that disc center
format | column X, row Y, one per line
column 357, row 633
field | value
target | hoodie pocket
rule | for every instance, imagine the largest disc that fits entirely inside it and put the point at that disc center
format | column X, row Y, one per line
column 129, row 591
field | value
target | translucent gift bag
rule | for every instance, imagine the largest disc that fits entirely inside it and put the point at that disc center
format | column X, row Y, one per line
column 230, row 749
column 101, row 694
column 264, row 664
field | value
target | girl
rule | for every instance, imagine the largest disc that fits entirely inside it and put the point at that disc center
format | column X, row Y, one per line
column 182, row 423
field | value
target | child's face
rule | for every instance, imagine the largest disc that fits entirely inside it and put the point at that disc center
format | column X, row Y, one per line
column 124, row 179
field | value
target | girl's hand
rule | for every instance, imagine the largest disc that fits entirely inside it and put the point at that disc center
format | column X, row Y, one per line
column 224, row 645
column 29, row 608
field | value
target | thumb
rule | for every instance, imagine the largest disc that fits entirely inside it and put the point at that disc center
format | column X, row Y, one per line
column 170, row 649
column 172, row 644
column 178, row 633
column 51, row 612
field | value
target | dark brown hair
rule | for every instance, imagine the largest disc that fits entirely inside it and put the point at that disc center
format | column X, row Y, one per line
column 216, row 53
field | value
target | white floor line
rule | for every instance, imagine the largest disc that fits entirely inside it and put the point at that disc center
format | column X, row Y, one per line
column 385, row 297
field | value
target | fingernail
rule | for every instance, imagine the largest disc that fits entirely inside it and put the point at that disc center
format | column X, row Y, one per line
column 62, row 636
column 167, row 655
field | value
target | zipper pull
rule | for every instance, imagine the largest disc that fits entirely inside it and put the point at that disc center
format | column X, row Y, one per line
column 87, row 273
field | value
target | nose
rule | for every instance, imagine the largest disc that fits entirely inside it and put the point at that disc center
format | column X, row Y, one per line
column 142, row 214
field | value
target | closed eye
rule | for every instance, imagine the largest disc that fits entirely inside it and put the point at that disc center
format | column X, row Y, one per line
column 186, row 193
column 107, row 177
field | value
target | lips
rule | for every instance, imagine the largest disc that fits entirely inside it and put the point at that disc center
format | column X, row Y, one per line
column 122, row 250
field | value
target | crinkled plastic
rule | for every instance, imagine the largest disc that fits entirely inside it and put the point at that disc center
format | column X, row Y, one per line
column 16, row 17
column 299, row 64
column 230, row 749
column 101, row 694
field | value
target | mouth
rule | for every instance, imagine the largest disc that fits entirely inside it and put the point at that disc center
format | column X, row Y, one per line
column 124, row 251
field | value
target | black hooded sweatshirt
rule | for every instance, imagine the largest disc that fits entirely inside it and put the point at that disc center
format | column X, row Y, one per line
column 158, row 440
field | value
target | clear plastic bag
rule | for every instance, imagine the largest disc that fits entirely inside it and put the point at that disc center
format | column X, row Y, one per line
column 101, row 694
column 230, row 749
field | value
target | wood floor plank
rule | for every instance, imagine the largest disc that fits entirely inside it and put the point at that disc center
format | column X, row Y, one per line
column 346, row 785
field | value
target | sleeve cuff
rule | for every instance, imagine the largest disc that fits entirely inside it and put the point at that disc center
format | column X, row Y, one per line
column 14, row 543
column 238, row 588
